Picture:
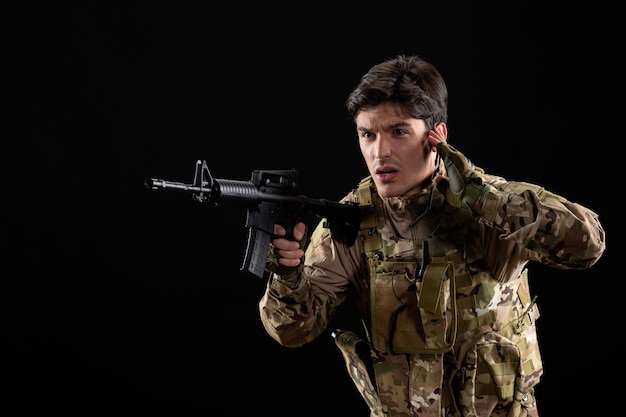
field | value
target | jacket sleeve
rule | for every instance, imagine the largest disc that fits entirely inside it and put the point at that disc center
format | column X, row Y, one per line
column 296, row 310
column 555, row 231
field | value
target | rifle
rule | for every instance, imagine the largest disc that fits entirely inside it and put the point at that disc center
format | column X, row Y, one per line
column 270, row 197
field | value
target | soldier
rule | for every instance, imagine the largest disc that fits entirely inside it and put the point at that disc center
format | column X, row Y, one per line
column 440, row 262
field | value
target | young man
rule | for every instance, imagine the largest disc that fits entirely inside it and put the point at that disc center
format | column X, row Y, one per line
column 439, row 262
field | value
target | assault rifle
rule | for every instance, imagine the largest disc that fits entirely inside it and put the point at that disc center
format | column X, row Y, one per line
column 270, row 197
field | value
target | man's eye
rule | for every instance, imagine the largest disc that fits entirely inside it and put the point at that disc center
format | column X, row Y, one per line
column 400, row 132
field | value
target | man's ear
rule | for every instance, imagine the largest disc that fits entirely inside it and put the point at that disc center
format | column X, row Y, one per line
column 443, row 130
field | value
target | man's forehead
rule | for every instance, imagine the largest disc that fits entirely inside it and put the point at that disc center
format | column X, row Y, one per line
column 373, row 121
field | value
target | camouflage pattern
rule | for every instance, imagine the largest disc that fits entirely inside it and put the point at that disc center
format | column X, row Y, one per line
column 462, row 341
column 347, row 342
column 481, row 304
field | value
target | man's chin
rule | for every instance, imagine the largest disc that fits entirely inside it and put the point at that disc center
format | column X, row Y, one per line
column 385, row 190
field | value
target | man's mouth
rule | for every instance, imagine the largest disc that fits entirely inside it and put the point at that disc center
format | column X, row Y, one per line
column 386, row 173
column 385, row 169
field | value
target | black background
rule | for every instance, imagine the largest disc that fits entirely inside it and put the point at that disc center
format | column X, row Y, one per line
column 121, row 299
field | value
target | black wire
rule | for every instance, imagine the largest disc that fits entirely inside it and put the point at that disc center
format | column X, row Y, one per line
column 432, row 190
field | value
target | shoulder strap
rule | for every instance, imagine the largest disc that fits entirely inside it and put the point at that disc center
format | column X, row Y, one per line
column 371, row 209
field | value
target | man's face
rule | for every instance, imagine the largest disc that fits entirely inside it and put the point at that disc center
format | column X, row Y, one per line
column 396, row 150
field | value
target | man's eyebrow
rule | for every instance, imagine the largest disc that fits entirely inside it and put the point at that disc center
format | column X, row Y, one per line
column 391, row 126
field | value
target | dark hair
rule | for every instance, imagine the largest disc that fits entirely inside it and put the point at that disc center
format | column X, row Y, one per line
column 410, row 81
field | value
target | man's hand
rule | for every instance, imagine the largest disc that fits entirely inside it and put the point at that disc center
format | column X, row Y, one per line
column 285, row 255
column 462, row 186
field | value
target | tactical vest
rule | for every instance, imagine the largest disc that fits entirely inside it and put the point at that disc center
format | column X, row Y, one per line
column 435, row 303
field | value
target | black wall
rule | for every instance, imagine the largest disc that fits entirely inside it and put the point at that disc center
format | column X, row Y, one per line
column 123, row 299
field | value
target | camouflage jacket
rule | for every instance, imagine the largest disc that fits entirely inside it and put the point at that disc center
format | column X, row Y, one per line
column 449, row 318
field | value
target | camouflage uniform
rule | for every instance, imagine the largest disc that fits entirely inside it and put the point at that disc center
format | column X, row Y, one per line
column 448, row 312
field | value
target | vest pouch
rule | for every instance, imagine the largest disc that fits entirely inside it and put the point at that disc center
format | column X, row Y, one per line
column 491, row 375
column 437, row 312
column 410, row 315
column 349, row 345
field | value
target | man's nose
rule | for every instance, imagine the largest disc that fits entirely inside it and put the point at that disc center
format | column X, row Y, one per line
column 382, row 147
